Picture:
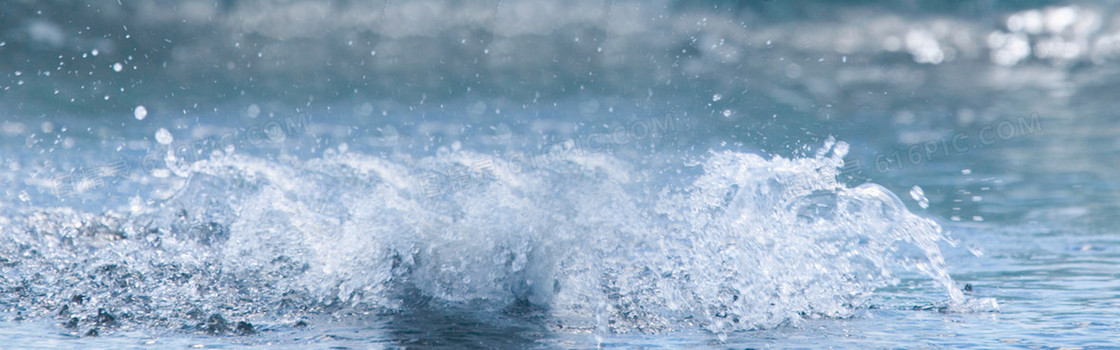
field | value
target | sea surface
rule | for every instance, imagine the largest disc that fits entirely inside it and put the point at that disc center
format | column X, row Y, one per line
column 582, row 174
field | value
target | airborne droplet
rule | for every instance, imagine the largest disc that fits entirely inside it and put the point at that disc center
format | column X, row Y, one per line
column 140, row 112
column 919, row 195
column 164, row 137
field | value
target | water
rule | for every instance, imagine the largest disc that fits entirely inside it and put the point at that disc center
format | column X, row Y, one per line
column 515, row 174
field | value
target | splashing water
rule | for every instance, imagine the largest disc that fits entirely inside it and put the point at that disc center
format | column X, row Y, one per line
column 735, row 242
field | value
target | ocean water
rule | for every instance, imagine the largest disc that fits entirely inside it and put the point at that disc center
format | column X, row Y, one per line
column 521, row 174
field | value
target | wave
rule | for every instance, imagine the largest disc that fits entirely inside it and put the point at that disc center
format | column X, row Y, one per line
column 589, row 241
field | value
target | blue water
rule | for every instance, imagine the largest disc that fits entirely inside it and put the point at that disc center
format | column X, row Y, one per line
column 519, row 174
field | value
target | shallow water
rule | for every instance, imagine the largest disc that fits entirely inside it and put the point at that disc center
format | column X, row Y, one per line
column 516, row 174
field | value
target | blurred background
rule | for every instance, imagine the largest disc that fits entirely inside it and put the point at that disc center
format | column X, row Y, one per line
column 956, row 61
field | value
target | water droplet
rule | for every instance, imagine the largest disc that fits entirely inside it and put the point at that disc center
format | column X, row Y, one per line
column 164, row 137
column 23, row 196
column 919, row 195
column 727, row 113
column 140, row 112
column 117, row 67
column 253, row 111
column 94, row 52
column 717, row 97
column 966, row 171
column 975, row 250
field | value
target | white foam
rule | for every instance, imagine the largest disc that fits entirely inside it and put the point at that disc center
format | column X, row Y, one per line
column 600, row 245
